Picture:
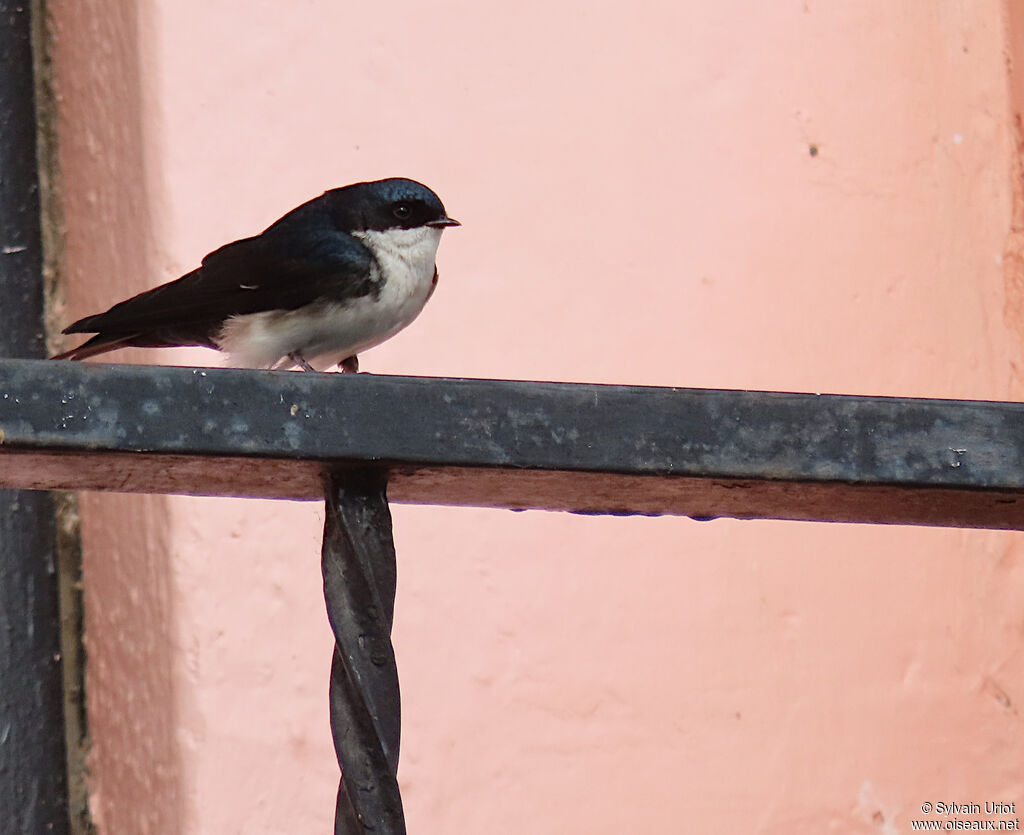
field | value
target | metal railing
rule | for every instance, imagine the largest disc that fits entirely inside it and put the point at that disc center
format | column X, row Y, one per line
column 356, row 439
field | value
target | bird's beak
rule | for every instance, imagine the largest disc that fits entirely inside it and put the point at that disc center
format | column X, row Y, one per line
column 442, row 222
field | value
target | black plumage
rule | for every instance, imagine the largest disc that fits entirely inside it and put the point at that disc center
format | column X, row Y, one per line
column 308, row 256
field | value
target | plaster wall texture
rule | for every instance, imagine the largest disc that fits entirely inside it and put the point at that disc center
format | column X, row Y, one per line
column 641, row 205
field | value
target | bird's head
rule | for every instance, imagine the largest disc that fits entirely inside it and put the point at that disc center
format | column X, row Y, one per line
column 395, row 203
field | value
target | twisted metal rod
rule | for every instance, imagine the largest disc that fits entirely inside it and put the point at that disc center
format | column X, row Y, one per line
column 358, row 564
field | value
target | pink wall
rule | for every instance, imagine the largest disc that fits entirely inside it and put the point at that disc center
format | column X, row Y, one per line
column 640, row 206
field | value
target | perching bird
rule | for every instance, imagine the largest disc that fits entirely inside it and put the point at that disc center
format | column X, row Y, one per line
column 336, row 276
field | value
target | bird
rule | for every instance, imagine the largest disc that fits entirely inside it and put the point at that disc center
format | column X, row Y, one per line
column 333, row 277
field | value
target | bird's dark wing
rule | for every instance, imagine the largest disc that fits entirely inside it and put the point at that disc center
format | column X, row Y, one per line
column 285, row 268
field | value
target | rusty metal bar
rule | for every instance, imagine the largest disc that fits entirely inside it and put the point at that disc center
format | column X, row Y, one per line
column 500, row 443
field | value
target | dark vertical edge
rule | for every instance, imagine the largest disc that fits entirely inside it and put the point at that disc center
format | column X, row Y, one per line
column 72, row 630
column 359, row 589
column 51, row 205
column 33, row 782
column 69, row 539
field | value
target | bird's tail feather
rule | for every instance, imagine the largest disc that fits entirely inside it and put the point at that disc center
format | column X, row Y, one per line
column 99, row 344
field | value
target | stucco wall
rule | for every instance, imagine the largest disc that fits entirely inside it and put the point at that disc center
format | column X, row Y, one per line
column 641, row 205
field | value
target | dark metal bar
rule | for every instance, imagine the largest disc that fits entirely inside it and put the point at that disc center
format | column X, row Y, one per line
column 359, row 587
column 33, row 784
column 584, row 448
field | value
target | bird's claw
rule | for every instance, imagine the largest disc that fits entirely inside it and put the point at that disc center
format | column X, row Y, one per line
column 300, row 361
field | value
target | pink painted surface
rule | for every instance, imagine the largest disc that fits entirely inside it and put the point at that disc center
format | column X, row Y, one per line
column 640, row 205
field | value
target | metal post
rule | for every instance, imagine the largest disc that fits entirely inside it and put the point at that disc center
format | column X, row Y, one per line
column 359, row 587
column 33, row 784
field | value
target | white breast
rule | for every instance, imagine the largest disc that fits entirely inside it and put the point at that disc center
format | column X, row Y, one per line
column 325, row 333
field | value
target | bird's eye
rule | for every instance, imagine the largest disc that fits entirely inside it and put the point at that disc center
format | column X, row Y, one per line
column 402, row 211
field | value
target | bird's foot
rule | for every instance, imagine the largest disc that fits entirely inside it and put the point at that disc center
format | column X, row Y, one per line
column 300, row 361
column 349, row 365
